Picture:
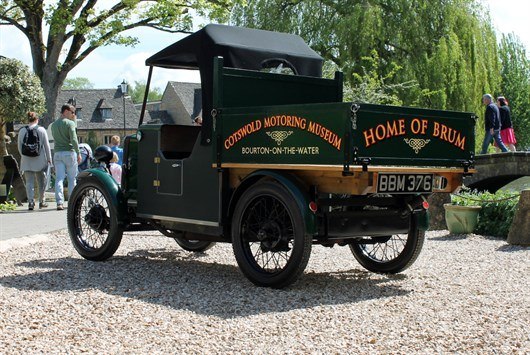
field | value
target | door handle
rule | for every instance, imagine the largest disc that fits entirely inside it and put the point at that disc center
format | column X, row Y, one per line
column 175, row 165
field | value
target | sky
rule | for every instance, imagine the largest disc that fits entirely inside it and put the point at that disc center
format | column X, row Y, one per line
column 108, row 66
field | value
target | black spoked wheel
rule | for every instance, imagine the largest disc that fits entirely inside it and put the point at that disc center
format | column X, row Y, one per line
column 390, row 254
column 93, row 221
column 192, row 245
column 268, row 236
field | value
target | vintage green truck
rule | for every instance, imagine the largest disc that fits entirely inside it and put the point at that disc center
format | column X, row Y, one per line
column 280, row 163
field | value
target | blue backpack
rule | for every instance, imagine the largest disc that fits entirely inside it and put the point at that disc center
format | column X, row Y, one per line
column 86, row 159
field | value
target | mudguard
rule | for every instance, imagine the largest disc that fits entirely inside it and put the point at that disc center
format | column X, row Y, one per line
column 114, row 191
column 422, row 220
column 291, row 184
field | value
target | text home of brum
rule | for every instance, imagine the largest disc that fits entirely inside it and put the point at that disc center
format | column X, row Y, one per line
column 398, row 127
column 284, row 121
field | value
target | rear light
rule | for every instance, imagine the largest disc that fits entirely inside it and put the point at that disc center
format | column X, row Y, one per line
column 425, row 205
column 313, row 206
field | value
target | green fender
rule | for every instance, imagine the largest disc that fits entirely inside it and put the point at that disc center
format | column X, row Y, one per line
column 116, row 195
column 422, row 220
column 289, row 182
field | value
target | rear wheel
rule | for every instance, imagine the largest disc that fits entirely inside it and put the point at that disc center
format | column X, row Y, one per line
column 390, row 254
column 93, row 221
column 268, row 236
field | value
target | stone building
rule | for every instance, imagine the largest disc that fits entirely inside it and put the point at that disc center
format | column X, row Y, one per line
column 180, row 103
column 101, row 113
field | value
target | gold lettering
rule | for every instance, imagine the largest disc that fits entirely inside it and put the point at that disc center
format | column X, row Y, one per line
column 369, row 138
column 336, row 142
column 415, row 126
column 401, row 127
column 443, row 135
column 380, row 132
column 460, row 142
column 436, row 130
column 424, row 124
column 241, row 133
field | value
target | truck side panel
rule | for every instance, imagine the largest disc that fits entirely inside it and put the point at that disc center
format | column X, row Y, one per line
column 290, row 134
column 390, row 135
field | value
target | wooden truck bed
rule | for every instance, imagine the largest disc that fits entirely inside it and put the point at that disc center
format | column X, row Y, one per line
column 338, row 147
column 330, row 178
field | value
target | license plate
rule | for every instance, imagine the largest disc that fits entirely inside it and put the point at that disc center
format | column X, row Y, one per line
column 404, row 183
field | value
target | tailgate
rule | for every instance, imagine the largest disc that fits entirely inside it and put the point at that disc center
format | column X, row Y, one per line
column 391, row 135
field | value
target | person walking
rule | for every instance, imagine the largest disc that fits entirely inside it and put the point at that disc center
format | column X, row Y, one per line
column 35, row 157
column 492, row 124
column 115, row 146
column 507, row 133
column 66, row 156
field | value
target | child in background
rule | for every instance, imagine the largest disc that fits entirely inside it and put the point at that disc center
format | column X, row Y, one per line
column 115, row 168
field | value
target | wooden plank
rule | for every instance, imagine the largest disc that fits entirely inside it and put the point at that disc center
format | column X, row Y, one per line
column 360, row 183
column 339, row 168
column 326, row 181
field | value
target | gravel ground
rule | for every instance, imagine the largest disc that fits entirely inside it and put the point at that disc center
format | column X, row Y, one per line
column 464, row 294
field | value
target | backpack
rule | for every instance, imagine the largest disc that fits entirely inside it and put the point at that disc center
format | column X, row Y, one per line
column 86, row 158
column 31, row 143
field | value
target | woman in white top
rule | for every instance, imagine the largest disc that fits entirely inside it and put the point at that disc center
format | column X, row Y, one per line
column 34, row 167
column 115, row 168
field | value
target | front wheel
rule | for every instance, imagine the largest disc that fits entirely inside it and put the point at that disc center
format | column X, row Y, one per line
column 390, row 254
column 269, row 239
column 93, row 221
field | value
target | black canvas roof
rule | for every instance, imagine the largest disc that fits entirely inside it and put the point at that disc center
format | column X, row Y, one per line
column 240, row 47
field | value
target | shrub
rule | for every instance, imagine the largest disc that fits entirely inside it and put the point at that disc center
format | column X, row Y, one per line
column 8, row 206
column 497, row 213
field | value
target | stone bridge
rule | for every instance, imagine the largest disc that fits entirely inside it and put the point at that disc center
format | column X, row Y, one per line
column 496, row 170
column 493, row 172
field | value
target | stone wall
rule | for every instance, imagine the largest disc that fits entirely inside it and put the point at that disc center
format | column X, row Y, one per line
column 436, row 210
column 520, row 230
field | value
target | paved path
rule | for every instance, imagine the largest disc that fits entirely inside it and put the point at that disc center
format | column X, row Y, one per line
column 21, row 222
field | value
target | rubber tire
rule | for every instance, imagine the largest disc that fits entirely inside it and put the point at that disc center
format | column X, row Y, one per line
column 115, row 231
column 197, row 246
column 300, row 252
column 405, row 259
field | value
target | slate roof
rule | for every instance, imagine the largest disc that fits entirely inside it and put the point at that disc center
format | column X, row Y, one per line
column 89, row 102
column 160, row 117
column 187, row 93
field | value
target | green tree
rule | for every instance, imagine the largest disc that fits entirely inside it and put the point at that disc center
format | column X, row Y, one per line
column 369, row 87
column 515, row 86
column 137, row 92
column 448, row 47
column 20, row 92
column 77, row 83
column 75, row 28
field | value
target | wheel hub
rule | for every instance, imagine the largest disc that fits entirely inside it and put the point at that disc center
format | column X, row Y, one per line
column 271, row 237
column 97, row 218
